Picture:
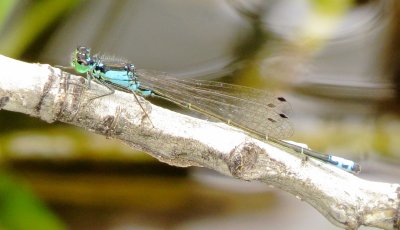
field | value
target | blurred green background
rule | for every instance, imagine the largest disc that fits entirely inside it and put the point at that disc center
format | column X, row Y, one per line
column 336, row 61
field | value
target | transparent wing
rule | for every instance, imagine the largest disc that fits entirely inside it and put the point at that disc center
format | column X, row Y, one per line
column 252, row 110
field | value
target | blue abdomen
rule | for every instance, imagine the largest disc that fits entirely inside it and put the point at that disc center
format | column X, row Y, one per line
column 120, row 78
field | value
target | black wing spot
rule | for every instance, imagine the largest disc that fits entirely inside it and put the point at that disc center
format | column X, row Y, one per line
column 271, row 120
column 283, row 115
column 281, row 99
column 271, row 105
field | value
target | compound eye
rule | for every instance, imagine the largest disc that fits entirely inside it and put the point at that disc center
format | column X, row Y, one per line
column 83, row 49
column 81, row 59
column 131, row 67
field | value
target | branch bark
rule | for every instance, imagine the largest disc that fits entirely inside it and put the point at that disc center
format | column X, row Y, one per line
column 52, row 95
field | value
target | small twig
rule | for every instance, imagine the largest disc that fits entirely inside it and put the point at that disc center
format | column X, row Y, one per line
column 52, row 95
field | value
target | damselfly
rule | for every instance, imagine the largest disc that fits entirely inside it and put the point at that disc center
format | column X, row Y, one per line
column 255, row 111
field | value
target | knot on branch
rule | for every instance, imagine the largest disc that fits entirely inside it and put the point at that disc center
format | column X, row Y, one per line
column 4, row 101
column 242, row 160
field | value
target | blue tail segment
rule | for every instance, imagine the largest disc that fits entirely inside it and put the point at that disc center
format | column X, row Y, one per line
column 345, row 164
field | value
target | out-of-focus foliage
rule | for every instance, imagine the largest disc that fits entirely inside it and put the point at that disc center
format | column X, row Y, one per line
column 20, row 209
column 25, row 29
column 331, row 8
column 6, row 7
column 321, row 22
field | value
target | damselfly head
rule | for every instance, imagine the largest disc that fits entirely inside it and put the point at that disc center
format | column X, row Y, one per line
column 130, row 68
column 82, row 61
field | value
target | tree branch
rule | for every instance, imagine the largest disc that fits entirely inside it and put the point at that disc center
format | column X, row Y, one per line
column 52, row 95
